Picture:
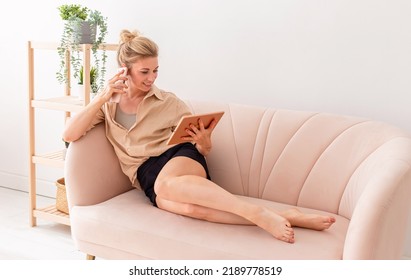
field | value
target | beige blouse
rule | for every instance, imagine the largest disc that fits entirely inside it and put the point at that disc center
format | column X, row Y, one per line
column 157, row 115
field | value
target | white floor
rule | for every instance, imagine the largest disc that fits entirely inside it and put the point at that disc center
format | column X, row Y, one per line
column 20, row 241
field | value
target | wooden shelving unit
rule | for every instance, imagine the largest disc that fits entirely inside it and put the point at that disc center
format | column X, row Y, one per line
column 69, row 103
column 53, row 159
column 65, row 103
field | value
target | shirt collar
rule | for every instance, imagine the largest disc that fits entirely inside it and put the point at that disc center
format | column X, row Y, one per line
column 156, row 92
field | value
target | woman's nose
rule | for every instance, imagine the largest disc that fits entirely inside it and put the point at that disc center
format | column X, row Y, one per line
column 152, row 77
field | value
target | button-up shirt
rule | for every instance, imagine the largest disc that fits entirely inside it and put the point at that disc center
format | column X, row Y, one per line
column 157, row 116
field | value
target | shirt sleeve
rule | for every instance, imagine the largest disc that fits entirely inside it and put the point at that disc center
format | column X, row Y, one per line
column 182, row 110
column 98, row 118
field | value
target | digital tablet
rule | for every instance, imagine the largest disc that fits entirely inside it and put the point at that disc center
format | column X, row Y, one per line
column 183, row 124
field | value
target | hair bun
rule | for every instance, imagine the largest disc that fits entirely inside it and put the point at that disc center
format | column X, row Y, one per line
column 127, row 35
column 134, row 46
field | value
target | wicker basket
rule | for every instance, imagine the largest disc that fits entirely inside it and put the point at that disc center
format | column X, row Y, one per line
column 61, row 197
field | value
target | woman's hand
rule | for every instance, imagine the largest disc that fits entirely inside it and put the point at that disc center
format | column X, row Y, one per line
column 201, row 136
column 116, row 85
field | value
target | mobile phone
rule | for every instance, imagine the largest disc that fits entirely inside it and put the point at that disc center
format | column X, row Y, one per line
column 116, row 96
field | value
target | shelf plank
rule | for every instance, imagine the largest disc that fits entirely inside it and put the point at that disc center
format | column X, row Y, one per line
column 44, row 45
column 52, row 214
column 64, row 103
column 55, row 45
column 53, row 159
column 109, row 47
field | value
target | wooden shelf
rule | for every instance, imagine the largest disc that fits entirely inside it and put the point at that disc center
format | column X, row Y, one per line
column 64, row 103
column 54, row 46
column 51, row 213
column 53, row 159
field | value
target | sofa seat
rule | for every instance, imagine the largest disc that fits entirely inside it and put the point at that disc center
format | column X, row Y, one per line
column 190, row 238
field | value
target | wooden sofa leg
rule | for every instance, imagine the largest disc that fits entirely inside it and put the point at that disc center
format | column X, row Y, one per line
column 90, row 257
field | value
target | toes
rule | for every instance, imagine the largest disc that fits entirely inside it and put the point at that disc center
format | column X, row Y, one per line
column 289, row 235
column 289, row 239
column 329, row 222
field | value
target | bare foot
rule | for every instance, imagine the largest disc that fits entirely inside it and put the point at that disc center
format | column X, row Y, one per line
column 310, row 221
column 283, row 232
column 278, row 226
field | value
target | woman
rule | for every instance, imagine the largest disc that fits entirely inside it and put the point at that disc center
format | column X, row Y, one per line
column 174, row 178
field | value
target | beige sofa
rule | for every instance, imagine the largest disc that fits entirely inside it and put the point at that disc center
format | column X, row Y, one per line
column 358, row 170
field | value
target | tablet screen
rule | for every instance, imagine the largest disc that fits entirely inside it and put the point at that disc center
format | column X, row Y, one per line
column 185, row 121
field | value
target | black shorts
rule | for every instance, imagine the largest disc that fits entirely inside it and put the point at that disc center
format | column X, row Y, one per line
column 147, row 173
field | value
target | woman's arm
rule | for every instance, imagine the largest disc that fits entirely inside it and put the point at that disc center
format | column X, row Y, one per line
column 77, row 125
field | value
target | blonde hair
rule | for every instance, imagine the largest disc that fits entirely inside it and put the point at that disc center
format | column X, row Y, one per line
column 133, row 46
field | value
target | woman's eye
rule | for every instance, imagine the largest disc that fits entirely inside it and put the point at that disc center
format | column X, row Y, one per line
column 146, row 72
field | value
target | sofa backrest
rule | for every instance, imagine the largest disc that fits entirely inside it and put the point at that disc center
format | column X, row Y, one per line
column 306, row 159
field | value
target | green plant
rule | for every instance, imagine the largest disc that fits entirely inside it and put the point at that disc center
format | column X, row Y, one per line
column 68, row 12
column 93, row 78
column 75, row 16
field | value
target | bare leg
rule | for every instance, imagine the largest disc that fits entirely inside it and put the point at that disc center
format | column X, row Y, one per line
column 173, row 184
column 194, row 196
column 293, row 215
column 201, row 212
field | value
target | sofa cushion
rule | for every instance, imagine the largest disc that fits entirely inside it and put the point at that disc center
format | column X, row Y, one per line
column 120, row 224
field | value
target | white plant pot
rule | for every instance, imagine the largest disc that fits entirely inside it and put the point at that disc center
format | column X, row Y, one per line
column 78, row 90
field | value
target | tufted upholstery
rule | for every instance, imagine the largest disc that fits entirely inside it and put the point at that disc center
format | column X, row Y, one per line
column 355, row 169
column 277, row 148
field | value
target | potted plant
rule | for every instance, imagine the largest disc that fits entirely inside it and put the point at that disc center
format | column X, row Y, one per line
column 81, row 26
column 94, row 86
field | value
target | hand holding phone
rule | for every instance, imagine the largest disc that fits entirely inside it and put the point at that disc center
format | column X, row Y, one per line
column 116, row 96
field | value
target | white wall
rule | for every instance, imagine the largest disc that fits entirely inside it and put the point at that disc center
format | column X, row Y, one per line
column 343, row 56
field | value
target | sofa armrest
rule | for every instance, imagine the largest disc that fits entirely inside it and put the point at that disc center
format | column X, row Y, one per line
column 92, row 171
column 379, row 195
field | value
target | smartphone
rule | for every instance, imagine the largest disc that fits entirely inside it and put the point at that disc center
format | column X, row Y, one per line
column 116, row 96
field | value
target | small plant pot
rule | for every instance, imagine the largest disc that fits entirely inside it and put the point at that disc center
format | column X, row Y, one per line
column 78, row 90
column 83, row 32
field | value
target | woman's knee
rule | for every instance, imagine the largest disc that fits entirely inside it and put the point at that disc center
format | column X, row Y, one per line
column 195, row 211
column 162, row 186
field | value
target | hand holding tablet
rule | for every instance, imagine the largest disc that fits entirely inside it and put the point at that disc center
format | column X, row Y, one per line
column 184, row 123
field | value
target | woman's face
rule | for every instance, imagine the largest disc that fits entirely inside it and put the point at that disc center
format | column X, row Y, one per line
column 142, row 74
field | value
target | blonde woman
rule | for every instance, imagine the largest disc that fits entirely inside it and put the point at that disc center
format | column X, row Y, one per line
column 174, row 178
